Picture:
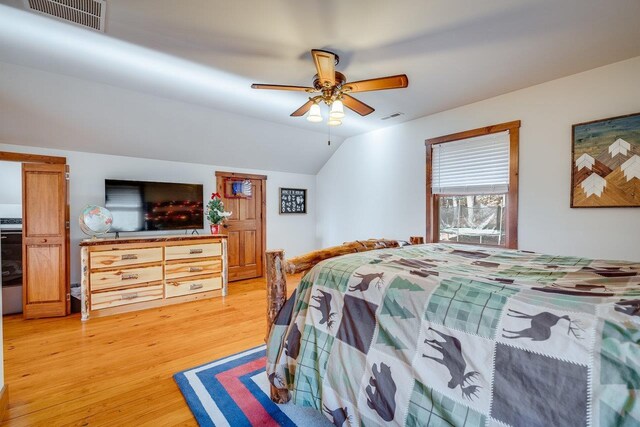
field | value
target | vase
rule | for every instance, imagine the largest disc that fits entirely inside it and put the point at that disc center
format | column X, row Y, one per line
column 215, row 228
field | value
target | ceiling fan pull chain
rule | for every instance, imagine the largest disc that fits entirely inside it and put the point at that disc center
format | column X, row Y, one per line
column 329, row 141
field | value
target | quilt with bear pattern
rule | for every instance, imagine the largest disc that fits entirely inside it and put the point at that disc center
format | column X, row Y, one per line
column 451, row 335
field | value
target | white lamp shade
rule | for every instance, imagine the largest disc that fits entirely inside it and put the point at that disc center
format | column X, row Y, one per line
column 314, row 114
column 337, row 110
column 334, row 122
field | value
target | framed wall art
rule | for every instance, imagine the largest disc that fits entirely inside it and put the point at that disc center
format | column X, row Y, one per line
column 605, row 163
column 293, row 201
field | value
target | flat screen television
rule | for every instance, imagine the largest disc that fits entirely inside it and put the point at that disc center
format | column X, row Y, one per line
column 154, row 206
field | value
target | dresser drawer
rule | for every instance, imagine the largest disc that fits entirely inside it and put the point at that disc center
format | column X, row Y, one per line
column 124, row 277
column 108, row 299
column 193, row 268
column 191, row 286
column 125, row 257
column 205, row 250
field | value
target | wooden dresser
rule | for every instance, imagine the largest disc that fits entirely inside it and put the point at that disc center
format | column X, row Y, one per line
column 128, row 274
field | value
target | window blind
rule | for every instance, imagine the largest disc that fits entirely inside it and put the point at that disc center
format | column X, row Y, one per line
column 477, row 165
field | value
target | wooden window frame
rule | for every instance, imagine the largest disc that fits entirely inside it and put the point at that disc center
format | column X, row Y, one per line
column 432, row 207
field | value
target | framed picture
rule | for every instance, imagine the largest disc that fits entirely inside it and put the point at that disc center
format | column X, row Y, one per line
column 605, row 163
column 293, row 201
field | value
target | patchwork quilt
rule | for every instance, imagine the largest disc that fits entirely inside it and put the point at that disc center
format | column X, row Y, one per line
column 444, row 335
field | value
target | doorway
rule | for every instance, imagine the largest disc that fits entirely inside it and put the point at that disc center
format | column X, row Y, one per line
column 245, row 196
column 34, row 249
column 11, row 236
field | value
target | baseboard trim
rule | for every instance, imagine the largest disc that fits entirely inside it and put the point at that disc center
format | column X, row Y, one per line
column 4, row 401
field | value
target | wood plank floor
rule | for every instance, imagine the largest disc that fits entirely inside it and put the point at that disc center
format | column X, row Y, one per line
column 117, row 370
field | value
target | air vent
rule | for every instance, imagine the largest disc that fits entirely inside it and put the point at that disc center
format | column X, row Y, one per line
column 392, row 116
column 86, row 13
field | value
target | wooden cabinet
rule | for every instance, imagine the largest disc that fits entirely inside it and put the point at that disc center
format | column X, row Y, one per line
column 121, row 275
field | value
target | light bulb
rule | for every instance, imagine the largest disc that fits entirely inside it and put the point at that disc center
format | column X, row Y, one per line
column 337, row 110
column 334, row 122
column 314, row 114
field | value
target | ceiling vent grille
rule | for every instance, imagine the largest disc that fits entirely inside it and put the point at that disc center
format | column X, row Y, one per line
column 86, row 13
column 392, row 116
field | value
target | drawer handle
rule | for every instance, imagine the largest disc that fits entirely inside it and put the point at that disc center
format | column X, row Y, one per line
column 130, row 296
column 128, row 257
column 194, row 269
column 195, row 286
column 195, row 251
column 129, row 276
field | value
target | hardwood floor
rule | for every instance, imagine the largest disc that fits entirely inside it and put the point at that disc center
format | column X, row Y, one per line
column 117, row 370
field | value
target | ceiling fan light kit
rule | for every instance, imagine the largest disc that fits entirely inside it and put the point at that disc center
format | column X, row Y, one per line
column 315, row 115
column 337, row 110
column 333, row 89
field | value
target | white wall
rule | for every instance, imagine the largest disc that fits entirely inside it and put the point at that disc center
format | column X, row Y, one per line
column 374, row 185
column 294, row 233
column 10, row 190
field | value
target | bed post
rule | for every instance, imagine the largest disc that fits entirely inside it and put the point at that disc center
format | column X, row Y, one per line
column 276, row 297
column 416, row 240
column 276, row 285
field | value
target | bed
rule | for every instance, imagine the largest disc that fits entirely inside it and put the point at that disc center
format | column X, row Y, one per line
column 456, row 335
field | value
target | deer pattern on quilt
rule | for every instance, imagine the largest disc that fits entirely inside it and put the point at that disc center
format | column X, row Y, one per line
column 364, row 284
column 451, row 350
column 541, row 324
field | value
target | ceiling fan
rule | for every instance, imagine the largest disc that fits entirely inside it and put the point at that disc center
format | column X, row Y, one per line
column 334, row 90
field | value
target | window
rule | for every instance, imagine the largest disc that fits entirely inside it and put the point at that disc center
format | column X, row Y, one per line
column 472, row 186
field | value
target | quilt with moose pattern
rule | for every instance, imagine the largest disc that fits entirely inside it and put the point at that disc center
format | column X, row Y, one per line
column 444, row 335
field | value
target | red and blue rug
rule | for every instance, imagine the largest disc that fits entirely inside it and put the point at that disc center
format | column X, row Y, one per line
column 234, row 391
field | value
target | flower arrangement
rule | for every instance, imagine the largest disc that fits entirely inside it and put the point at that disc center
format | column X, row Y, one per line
column 215, row 210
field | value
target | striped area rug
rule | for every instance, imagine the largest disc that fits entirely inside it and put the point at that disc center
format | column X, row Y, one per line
column 234, row 391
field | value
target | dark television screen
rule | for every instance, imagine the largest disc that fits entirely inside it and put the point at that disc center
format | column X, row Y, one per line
column 154, row 206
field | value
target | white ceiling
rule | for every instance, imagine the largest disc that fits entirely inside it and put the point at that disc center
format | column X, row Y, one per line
column 193, row 60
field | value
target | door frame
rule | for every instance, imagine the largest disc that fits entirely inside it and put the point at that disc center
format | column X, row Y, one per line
column 263, row 202
column 8, row 156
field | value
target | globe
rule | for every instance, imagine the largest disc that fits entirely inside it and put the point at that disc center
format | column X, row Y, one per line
column 95, row 220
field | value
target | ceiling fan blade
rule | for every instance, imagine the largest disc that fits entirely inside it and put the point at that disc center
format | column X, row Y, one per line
column 326, row 65
column 282, row 87
column 381, row 83
column 357, row 106
column 302, row 110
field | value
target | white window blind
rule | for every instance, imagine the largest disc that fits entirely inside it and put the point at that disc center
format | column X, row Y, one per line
column 477, row 165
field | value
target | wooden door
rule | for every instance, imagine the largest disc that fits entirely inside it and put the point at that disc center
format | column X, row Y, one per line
column 45, row 240
column 246, row 227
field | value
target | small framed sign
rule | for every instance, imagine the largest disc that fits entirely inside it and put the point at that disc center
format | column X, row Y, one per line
column 293, row 201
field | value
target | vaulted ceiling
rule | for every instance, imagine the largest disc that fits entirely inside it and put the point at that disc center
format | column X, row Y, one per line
column 171, row 80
